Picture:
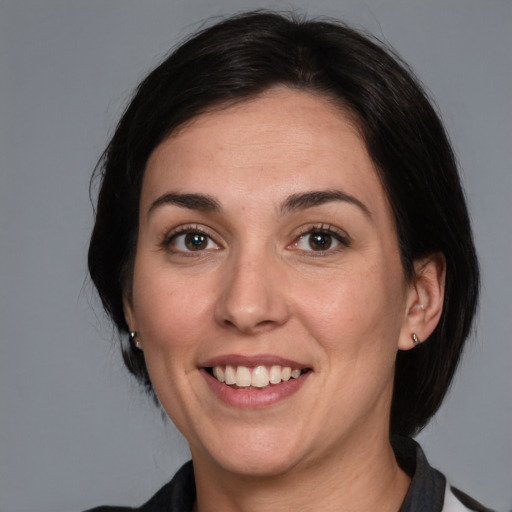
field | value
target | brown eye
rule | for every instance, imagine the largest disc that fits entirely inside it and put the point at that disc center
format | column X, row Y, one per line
column 320, row 241
column 192, row 241
column 196, row 241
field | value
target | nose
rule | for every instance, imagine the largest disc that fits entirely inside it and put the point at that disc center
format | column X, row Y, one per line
column 253, row 297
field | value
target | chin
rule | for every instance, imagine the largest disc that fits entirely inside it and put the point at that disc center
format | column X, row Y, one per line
column 257, row 453
column 264, row 466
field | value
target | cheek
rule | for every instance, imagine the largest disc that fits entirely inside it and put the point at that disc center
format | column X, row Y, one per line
column 173, row 317
column 357, row 309
column 172, row 311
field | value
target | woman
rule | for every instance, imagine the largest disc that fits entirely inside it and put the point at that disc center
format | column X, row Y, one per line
column 282, row 238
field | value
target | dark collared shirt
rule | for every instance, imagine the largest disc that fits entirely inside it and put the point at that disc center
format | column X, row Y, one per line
column 429, row 491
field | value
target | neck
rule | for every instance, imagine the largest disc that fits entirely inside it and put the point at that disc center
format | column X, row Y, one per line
column 364, row 478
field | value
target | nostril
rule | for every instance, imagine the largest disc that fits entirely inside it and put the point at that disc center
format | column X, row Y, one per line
column 251, row 327
column 266, row 323
column 251, row 301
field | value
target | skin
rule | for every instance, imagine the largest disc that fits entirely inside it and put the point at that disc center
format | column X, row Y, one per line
column 257, row 286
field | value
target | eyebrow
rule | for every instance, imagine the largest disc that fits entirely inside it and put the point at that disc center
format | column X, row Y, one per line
column 201, row 202
column 300, row 201
column 303, row 201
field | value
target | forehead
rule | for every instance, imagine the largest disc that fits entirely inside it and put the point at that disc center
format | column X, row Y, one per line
column 281, row 141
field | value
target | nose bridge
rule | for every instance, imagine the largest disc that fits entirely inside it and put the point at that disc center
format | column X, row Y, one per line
column 253, row 295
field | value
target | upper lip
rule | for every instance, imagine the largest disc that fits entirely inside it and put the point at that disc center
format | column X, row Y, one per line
column 252, row 361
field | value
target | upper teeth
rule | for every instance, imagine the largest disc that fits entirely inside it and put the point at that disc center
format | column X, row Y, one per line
column 258, row 376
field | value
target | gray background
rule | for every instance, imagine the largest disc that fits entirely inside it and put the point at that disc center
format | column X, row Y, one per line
column 74, row 429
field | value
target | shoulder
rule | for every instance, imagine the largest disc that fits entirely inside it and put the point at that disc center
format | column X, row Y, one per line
column 178, row 495
column 458, row 501
column 429, row 490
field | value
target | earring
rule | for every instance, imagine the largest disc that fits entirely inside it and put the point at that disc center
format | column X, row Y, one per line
column 415, row 339
column 134, row 340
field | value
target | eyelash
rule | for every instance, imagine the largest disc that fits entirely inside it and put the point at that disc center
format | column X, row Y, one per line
column 170, row 238
column 339, row 236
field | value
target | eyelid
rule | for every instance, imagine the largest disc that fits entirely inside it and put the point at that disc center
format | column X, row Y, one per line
column 186, row 229
column 340, row 235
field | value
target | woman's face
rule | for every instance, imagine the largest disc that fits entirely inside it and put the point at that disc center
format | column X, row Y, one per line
column 267, row 245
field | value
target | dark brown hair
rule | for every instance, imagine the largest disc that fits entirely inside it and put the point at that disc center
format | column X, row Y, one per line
column 245, row 55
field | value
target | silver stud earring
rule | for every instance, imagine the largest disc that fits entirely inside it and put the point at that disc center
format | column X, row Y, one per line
column 415, row 339
column 134, row 340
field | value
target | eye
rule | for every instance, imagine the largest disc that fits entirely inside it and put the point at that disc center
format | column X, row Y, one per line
column 192, row 241
column 321, row 240
column 317, row 241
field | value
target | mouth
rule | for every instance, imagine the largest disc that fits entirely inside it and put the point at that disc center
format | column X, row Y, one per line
column 256, row 381
column 254, row 377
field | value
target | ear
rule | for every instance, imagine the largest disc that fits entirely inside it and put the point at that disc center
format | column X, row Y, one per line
column 425, row 298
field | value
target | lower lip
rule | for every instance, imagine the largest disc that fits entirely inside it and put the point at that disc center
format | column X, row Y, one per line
column 254, row 398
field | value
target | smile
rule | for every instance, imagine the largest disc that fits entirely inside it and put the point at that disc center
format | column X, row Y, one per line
column 254, row 382
column 254, row 377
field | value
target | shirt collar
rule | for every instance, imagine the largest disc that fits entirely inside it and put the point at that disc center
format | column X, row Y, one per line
column 426, row 492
